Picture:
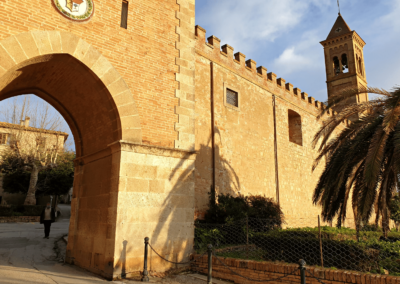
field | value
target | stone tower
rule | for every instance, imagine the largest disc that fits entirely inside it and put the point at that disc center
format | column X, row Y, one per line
column 344, row 60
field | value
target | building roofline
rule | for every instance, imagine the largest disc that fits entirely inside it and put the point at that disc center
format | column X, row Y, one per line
column 341, row 36
column 33, row 129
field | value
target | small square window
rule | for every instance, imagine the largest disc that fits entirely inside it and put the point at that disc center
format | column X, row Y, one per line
column 232, row 98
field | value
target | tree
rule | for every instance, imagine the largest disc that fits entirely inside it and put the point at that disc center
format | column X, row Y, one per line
column 362, row 160
column 54, row 181
column 59, row 179
column 32, row 151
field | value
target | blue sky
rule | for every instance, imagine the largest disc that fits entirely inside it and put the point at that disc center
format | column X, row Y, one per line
column 284, row 37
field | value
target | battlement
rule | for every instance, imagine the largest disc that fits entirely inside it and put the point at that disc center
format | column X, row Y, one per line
column 211, row 48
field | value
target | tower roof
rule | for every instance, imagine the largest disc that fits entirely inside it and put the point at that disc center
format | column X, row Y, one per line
column 339, row 28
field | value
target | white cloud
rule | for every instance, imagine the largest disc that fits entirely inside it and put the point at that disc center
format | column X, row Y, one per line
column 243, row 23
column 392, row 19
column 305, row 55
column 290, row 61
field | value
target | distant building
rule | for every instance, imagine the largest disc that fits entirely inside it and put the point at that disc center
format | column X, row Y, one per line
column 30, row 139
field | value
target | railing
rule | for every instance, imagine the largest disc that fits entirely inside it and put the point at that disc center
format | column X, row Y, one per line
column 369, row 249
column 211, row 253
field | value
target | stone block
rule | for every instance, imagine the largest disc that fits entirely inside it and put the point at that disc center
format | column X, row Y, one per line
column 91, row 57
column 6, row 61
column 157, row 186
column 69, row 42
column 55, row 41
column 28, row 44
column 137, row 185
column 42, row 42
column 101, row 67
column 13, row 49
column 81, row 49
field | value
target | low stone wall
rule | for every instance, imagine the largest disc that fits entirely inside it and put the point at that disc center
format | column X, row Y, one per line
column 268, row 270
column 23, row 219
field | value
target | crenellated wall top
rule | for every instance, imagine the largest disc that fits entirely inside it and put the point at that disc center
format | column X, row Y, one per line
column 211, row 48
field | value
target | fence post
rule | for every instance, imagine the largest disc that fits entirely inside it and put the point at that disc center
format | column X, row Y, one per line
column 209, row 276
column 320, row 242
column 145, row 277
column 247, row 237
column 302, row 267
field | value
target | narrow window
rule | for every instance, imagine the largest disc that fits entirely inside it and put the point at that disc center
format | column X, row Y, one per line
column 360, row 66
column 357, row 67
column 41, row 143
column 336, row 65
column 345, row 66
column 124, row 15
column 232, row 98
column 295, row 135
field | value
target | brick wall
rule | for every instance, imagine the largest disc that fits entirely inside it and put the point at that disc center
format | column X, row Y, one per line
column 22, row 219
column 269, row 270
column 144, row 54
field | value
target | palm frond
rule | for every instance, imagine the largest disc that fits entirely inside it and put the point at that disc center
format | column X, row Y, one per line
column 343, row 97
column 374, row 157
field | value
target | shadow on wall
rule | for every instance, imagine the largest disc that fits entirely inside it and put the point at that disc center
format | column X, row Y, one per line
column 121, row 264
column 170, row 237
column 226, row 179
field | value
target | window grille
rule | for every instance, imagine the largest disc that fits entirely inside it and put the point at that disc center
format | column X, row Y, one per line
column 124, row 15
column 3, row 138
column 232, row 98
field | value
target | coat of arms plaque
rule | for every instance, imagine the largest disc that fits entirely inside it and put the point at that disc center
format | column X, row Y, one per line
column 77, row 10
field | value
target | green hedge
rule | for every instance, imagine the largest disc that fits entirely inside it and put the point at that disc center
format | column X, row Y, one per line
column 23, row 210
column 293, row 244
column 287, row 247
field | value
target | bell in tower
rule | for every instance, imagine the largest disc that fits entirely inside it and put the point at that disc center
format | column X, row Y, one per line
column 344, row 61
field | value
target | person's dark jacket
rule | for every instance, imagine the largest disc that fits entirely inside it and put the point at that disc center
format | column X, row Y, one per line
column 52, row 214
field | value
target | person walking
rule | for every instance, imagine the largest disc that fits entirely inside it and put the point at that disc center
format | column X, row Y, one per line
column 47, row 217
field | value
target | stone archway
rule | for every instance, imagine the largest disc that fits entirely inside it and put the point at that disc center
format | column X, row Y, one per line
column 38, row 47
column 99, row 107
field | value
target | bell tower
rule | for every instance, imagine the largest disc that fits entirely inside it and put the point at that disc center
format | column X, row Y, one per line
column 344, row 61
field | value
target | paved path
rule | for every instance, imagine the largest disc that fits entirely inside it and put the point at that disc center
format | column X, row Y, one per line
column 25, row 257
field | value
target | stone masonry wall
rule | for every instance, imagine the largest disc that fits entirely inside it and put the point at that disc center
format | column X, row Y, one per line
column 244, row 136
column 155, row 200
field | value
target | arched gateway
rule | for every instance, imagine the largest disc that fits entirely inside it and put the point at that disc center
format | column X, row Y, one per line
column 123, row 190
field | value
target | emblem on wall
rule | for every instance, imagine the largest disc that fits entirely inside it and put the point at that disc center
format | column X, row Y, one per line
column 77, row 10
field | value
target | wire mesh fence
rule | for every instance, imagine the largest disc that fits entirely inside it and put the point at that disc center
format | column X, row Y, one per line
column 367, row 250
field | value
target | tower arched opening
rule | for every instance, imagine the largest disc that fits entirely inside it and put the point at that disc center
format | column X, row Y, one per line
column 336, row 65
column 345, row 64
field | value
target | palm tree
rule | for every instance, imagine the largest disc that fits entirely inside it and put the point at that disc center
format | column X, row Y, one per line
column 362, row 157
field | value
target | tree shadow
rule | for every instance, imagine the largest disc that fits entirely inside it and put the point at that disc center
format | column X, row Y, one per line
column 170, row 238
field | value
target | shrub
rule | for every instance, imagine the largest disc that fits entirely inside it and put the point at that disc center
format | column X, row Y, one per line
column 229, row 209
column 6, row 211
column 205, row 236
column 33, row 210
column 284, row 246
column 21, row 210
